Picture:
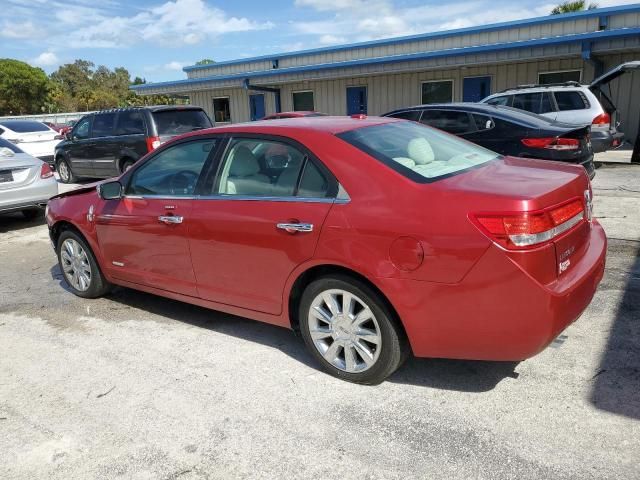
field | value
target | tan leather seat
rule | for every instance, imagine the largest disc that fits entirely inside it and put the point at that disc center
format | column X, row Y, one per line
column 244, row 175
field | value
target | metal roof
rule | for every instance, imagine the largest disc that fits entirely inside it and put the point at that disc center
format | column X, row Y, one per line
column 597, row 12
column 458, row 51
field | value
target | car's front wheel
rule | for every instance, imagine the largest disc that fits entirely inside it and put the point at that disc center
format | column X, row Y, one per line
column 350, row 331
column 64, row 171
column 79, row 266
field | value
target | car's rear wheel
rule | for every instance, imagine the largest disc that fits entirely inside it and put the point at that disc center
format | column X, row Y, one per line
column 79, row 266
column 126, row 165
column 64, row 170
column 31, row 213
column 350, row 331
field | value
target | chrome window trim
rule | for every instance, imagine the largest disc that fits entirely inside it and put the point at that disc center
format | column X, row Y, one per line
column 241, row 198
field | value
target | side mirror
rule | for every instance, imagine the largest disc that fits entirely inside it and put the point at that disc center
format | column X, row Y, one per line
column 110, row 190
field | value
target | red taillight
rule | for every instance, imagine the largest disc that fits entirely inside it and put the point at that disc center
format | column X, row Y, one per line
column 552, row 143
column 602, row 120
column 45, row 171
column 531, row 229
column 152, row 143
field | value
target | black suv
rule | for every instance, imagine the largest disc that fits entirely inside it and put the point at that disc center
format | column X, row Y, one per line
column 105, row 144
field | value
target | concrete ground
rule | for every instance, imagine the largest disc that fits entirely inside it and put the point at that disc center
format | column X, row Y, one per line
column 136, row 386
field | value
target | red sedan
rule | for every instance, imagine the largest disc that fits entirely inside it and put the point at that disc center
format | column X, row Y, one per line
column 373, row 237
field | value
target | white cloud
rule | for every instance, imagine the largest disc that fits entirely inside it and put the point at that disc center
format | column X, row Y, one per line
column 330, row 5
column 331, row 40
column 46, row 59
column 176, row 65
column 17, row 30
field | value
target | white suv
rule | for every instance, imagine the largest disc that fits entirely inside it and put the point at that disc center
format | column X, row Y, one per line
column 571, row 102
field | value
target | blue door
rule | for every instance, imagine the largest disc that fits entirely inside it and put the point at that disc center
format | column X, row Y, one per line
column 356, row 100
column 256, row 106
column 475, row 89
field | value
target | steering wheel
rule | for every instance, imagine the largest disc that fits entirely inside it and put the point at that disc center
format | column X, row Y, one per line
column 183, row 182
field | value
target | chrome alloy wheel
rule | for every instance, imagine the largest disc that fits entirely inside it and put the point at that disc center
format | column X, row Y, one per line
column 63, row 171
column 344, row 330
column 75, row 265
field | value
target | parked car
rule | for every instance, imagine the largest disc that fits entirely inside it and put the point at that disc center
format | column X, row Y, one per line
column 377, row 238
column 508, row 131
column 26, row 183
column 297, row 114
column 34, row 138
column 572, row 102
column 107, row 143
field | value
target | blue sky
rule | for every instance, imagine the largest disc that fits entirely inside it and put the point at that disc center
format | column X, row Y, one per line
column 156, row 38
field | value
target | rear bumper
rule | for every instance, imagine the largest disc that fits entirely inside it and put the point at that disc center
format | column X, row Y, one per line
column 497, row 312
column 37, row 194
column 601, row 141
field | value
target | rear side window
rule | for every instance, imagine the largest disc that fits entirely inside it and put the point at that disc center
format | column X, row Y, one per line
column 103, row 125
column 418, row 152
column 25, row 126
column 448, row 120
column 176, row 122
column 7, row 144
column 483, row 122
column 535, row 102
column 571, row 100
column 413, row 115
column 130, row 123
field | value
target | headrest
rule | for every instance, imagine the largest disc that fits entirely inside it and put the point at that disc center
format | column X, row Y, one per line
column 244, row 163
column 420, row 151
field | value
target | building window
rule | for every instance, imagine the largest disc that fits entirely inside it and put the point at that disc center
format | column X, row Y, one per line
column 440, row 91
column 303, row 101
column 221, row 110
column 560, row 77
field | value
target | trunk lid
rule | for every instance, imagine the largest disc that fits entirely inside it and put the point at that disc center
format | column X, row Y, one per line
column 18, row 170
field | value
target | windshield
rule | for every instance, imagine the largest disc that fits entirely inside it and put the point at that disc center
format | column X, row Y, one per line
column 418, row 152
column 24, row 126
column 175, row 122
column 6, row 144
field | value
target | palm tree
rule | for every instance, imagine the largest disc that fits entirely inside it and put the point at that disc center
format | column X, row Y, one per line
column 568, row 7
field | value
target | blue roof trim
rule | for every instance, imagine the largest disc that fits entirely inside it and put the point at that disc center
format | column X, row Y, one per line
column 572, row 38
column 433, row 35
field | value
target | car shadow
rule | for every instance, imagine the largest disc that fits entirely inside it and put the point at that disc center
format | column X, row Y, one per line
column 13, row 222
column 616, row 382
column 458, row 375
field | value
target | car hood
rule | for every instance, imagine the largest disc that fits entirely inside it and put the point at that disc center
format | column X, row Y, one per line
column 80, row 190
column 18, row 160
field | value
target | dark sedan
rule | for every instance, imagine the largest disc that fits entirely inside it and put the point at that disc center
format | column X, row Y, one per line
column 508, row 131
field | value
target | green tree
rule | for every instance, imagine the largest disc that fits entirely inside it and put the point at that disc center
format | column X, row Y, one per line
column 23, row 88
column 568, row 7
column 74, row 77
column 205, row 61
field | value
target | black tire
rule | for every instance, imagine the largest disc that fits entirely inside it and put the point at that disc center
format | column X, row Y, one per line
column 32, row 213
column 126, row 164
column 64, row 171
column 393, row 348
column 98, row 285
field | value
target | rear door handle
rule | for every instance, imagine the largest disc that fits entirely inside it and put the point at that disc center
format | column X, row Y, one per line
column 170, row 219
column 295, row 227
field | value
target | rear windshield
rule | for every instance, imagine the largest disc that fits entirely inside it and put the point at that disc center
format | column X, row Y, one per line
column 24, row 126
column 416, row 151
column 175, row 122
column 7, row 144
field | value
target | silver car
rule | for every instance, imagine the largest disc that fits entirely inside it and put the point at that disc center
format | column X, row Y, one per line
column 26, row 183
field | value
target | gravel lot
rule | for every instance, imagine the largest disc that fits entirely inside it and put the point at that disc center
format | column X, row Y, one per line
column 136, row 386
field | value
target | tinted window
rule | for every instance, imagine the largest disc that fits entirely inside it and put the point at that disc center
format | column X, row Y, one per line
column 25, row 126
column 175, row 122
column 103, row 125
column 504, row 100
column 172, row 172
column 482, row 122
column 559, row 77
column 81, row 130
column 221, row 110
column 7, row 144
column 416, row 151
column 130, row 122
column 413, row 115
column 533, row 102
column 437, row 92
column 447, row 120
column 570, row 100
column 260, row 168
column 303, row 101
column 314, row 183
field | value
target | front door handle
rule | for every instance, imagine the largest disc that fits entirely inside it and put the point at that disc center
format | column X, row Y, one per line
column 295, row 227
column 170, row 219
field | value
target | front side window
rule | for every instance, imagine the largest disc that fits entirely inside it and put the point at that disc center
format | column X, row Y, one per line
column 103, row 125
column 81, row 130
column 172, row 172
column 571, row 100
column 303, row 101
column 420, row 153
column 447, row 120
column 437, row 92
column 535, row 102
column 222, row 110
